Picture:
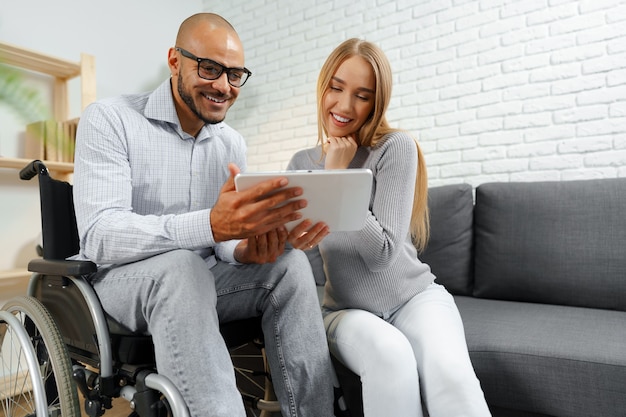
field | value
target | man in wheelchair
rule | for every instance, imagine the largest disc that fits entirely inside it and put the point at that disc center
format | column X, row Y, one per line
column 179, row 251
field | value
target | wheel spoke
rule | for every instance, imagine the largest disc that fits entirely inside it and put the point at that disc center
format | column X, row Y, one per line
column 51, row 360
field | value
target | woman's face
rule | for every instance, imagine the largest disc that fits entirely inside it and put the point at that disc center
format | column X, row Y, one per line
column 349, row 98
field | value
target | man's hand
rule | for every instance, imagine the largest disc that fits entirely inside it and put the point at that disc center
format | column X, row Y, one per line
column 255, row 211
column 339, row 152
column 262, row 248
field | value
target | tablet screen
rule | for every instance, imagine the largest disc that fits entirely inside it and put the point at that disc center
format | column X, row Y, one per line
column 338, row 197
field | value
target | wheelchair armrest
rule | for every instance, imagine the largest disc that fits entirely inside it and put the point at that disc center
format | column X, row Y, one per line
column 61, row 267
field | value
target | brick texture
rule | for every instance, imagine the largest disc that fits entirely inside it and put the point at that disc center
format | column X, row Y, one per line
column 494, row 90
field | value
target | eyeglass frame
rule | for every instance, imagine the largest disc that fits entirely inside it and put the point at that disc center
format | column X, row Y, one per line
column 223, row 68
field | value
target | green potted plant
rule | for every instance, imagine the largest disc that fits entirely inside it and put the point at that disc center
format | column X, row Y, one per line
column 26, row 102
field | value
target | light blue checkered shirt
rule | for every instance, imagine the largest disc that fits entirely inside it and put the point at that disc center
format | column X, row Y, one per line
column 142, row 186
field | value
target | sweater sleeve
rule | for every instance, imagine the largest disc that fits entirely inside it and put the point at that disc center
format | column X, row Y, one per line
column 385, row 232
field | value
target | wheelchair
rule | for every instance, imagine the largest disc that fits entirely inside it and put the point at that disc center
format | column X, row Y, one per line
column 57, row 342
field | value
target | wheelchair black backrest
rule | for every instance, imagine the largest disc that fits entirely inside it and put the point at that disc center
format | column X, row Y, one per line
column 61, row 297
column 58, row 219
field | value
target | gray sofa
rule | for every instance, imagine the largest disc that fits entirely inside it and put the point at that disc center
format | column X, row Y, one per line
column 538, row 271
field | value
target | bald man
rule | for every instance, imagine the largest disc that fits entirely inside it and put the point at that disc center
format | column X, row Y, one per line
column 179, row 250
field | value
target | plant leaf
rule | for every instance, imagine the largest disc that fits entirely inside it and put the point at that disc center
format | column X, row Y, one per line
column 24, row 100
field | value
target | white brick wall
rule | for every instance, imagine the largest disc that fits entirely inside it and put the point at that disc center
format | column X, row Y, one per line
column 515, row 90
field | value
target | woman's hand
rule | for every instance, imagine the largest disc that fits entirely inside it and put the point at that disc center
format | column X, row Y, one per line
column 305, row 237
column 339, row 152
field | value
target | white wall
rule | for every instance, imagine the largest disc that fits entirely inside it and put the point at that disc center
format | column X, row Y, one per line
column 129, row 40
column 494, row 89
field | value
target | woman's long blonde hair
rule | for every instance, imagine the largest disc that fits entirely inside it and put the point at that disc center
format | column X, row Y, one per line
column 376, row 125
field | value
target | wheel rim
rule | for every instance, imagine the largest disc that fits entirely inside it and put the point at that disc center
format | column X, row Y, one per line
column 21, row 387
column 52, row 361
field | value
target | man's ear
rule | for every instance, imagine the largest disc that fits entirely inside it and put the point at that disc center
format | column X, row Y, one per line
column 173, row 61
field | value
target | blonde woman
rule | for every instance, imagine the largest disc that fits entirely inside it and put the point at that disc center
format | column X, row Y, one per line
column 385, row 317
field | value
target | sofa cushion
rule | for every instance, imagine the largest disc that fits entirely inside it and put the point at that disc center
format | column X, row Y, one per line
column 547, row 359
column 552, row 242
column 449, row 250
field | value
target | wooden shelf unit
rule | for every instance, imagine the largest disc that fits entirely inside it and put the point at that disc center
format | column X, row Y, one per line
column 62, row 71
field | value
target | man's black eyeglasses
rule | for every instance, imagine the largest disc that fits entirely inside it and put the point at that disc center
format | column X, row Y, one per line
column 211, row 70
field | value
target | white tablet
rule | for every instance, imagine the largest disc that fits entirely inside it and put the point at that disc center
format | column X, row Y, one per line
column 338, row 197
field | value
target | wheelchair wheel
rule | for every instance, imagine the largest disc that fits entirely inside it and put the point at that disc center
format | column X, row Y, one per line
column 52, row 358
column 254, row 381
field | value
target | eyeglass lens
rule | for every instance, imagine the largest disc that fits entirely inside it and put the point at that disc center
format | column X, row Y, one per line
column 212, row 70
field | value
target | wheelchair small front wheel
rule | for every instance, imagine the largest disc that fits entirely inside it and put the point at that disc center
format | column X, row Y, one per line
column 55, row 366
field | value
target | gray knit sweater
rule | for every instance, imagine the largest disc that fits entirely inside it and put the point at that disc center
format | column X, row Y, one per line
column 376, row 268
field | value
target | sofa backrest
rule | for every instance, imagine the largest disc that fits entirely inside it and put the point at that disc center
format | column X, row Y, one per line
column 552, row 242
column 449, row 249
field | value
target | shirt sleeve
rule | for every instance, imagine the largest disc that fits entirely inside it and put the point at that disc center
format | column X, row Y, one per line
column 225, row 251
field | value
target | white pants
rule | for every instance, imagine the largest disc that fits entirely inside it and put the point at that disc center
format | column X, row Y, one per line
column 417, row 357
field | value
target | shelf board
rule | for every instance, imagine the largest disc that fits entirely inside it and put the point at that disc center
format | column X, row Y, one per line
column 19, row 163
column 14, row 274
column 13, row 282
column 35, row 61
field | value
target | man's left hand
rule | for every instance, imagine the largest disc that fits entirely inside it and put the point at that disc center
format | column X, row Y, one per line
column 262, row 248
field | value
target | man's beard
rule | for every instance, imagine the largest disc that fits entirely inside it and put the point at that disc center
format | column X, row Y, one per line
column 192, row 105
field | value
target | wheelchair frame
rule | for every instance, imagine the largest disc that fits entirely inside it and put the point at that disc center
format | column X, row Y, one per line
column 93, row 355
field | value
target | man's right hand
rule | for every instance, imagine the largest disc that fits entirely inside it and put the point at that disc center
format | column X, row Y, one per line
column 252, row 212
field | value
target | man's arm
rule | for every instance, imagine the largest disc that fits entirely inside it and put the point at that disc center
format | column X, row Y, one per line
column 109, row 228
